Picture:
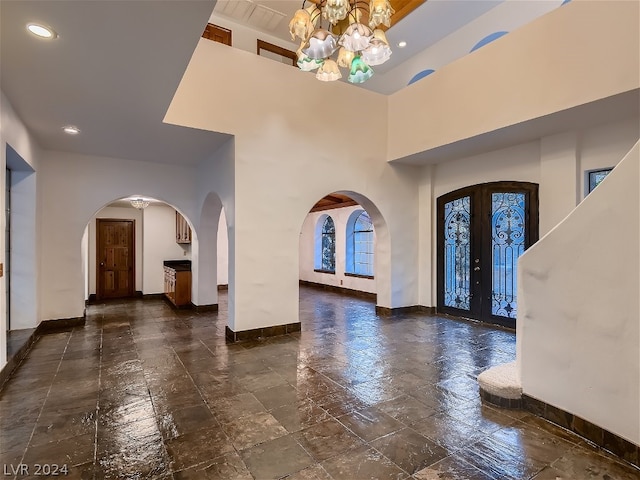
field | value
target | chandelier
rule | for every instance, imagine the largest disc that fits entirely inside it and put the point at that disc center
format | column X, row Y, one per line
column 353, row 32
column 139, row 203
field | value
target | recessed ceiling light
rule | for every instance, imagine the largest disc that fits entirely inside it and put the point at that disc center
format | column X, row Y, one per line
column 41, row 31
column 402, row 44
column 71, row 130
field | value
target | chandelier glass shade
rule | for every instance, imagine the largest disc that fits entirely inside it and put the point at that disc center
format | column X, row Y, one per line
column 139, row 203
column 352, row 32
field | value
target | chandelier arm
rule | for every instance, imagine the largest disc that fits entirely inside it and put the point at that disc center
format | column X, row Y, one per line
column 319, row 14
column 359, row 3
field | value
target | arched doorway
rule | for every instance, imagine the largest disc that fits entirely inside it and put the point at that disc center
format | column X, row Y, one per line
column 344, row 245
column 482, row 230
column 126, row 245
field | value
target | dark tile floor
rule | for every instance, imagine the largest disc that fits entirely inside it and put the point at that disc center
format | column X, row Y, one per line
column 143, row 391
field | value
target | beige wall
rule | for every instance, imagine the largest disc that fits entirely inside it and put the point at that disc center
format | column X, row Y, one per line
column 576, row 54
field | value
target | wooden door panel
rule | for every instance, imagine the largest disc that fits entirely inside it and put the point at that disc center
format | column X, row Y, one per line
column 115, row 258
column 109, row 283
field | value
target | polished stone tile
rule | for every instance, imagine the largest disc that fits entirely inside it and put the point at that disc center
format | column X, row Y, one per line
column 340, row 403
column 53, row 428
column 229, row 409
column 588, row 463
column 252, row 429
column 540, row 448
column 145, row 391
column 363, row 463
column 303, row 414
column 70, row 451
column 315, row 472
column 409, row 450
column 277, row 396
column 327, row 439
column 482, row 418
column 197, row 447
column 225, row 467
column 406, row 409
column 276, row 458
column 447, row 431
column 500, row 460
column 550, row 473
column 452, row 468
column 146, row 460
column 185, row 420
column 370, row 423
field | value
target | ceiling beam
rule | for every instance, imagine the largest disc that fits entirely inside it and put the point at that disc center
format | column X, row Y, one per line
column 319, row 208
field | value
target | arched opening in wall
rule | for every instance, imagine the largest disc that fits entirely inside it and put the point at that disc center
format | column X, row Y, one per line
column 128, row 245
column 214, row 268
column 344, row 246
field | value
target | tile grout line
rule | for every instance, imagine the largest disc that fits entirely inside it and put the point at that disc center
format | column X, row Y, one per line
column 95, row 438
column 45, row 400
column 206, row 403
column 153, row 405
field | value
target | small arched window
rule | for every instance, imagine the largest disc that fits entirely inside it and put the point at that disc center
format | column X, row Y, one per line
column 326, row 246
column 360, row 244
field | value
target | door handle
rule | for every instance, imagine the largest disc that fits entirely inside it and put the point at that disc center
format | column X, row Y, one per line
column 102, row 264
column 476, row 269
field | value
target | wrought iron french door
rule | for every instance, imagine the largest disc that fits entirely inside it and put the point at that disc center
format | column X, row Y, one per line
column 482, row 230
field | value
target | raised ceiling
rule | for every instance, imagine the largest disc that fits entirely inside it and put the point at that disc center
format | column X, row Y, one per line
column 112, row 72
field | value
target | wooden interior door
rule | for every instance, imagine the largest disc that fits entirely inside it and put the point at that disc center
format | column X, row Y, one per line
column 115, row 258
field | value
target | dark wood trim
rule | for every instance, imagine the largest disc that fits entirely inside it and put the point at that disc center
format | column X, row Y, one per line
column 270, row 47
column 357, row 275
column 611, row 442
column 318, row 270
column 350, row 203
column 341, row 290
column 257, row 333
column 399, row 311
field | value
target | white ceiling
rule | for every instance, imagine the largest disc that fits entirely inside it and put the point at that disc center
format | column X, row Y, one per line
column 112, row 72
column 116, row 65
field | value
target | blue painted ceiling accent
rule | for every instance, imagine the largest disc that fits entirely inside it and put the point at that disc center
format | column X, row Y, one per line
column 488, row 39
column 420, row 75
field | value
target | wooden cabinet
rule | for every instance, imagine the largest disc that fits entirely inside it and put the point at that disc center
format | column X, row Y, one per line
column 177, row 284
column 183, row 230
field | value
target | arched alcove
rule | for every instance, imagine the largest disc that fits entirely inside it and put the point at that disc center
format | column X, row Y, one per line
column 214, row 253
column 344, row 207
